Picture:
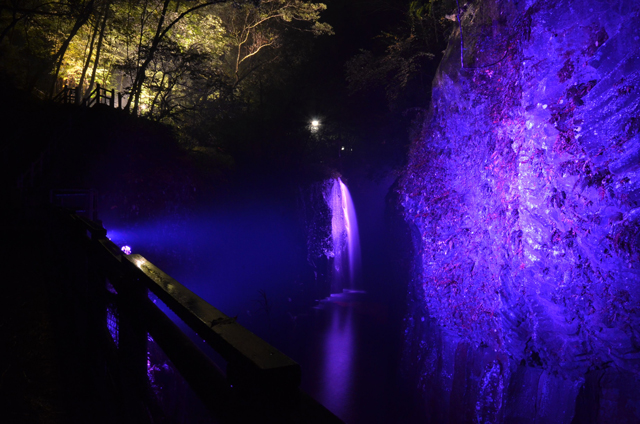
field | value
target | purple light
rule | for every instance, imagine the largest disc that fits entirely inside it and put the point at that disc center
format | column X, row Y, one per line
column 126, row 250
column 113, row 324
column 339, row 346
column 521, row 205
column 345, row 239
column 353, row 236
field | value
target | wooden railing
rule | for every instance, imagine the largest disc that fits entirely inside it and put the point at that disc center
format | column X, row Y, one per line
column 83, row 202
column 68, row 95
column 99, row 95
column 260, row 384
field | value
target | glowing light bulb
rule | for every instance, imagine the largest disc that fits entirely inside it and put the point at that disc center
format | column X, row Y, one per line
column 314, row 125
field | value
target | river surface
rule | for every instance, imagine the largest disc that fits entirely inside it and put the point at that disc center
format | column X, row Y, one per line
column 248, row 259
column 349, row 355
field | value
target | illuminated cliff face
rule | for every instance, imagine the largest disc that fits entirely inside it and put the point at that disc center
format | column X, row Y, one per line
column 524, row 195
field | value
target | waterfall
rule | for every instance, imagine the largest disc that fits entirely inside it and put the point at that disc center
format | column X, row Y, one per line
column 345, row 252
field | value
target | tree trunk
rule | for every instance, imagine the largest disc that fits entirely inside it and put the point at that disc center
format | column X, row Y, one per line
column 86, row 63
column 99, row 47
column 14, row 22
column 59, row 56
column 155, row 98
column 136, row 87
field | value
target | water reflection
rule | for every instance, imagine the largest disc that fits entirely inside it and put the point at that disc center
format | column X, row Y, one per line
column 349, row 357
column 338, row 358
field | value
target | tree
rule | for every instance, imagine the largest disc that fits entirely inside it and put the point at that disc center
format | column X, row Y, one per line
column 161, row 31
column 183, row 62
column 255, row 29
column 39, row 32
column 87, row 61
column 406, row 52
column 81, row 12
column 105, row 15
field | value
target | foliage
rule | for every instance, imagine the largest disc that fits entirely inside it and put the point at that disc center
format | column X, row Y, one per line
column 171, row 59
column 32, row 33
column 405, row 52
column 253, row 30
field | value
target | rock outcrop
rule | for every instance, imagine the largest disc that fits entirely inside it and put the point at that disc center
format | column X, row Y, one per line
column 523, row 193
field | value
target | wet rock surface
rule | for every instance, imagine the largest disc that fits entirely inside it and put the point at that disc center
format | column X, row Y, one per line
column 524, row 197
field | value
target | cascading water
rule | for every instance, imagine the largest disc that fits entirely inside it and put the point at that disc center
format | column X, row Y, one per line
column 345, row 253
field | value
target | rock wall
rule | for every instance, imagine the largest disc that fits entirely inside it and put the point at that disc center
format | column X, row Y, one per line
column 523, row 193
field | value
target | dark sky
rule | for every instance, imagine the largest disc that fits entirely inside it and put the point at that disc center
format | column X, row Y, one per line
column 318, row 89
column 356, row 23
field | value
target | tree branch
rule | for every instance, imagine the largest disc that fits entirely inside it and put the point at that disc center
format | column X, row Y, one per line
column 256, row 51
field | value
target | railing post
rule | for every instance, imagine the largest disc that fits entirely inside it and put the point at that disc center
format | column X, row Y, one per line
column 131, row 368
column 97, row 93
column 113, row 294
column 93, row 295
column 113, row 98
column 78, row 94
column 132, row 348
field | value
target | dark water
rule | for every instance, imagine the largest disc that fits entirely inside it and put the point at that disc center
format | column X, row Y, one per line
column 248, row 258
column 349, row 355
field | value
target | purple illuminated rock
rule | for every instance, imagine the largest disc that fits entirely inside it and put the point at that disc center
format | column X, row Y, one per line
column 524, row 189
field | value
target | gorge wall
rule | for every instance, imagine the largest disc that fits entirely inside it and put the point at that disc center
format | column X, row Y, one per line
column 523, row 195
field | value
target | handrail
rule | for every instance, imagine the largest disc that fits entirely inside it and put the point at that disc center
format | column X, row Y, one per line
column 261, row 383
column 236, row 344
column 99, row 95
column 91, row 98
column 67, row 95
